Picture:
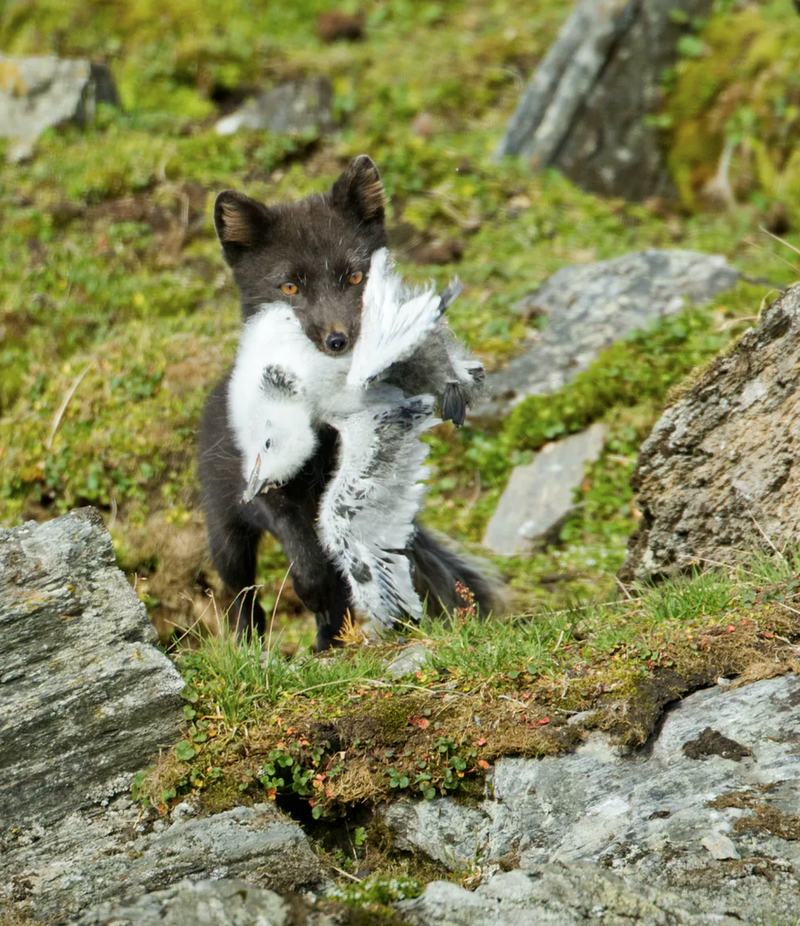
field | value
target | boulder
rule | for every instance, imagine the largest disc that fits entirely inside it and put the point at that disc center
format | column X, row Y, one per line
column 37, row 93
column 115, row 854
column 707, row 815
column 590, row 306
column 209, row 903
column 87, row 698
column 540, row 495
column 292, row 108
column 554, row 895
column 718, row 477
column 585, row 109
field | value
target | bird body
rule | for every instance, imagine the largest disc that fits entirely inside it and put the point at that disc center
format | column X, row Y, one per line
column 283, row 388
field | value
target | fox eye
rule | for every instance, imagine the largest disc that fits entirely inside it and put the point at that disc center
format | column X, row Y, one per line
column 289, row 289
column 356, row 277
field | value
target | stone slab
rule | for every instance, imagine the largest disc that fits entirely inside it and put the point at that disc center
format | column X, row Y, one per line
column 540, row 495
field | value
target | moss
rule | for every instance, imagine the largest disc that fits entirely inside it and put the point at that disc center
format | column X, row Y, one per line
column 743, row 91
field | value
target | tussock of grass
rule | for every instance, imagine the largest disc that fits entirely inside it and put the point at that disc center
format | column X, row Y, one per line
column 337, row 731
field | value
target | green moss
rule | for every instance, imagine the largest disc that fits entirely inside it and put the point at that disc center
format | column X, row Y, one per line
column 743, row 90
column 111, row 264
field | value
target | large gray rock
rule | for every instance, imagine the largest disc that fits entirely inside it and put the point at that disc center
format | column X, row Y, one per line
column 209, row 903
column 195, row 903
column 541, row 494
column 672, row 817
column 554, row 895
column 105, row 856
column 584, row 111
column 85, row 697
column 590, row 306
column 718, row 476
column 37, row 93
column 292, row 108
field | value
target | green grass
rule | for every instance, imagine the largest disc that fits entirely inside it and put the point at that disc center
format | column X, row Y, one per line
column 338, row 731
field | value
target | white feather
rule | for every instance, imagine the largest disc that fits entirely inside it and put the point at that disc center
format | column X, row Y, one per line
column 282, row 388
column 273, row 428
column 367, row 512
column 394, row 322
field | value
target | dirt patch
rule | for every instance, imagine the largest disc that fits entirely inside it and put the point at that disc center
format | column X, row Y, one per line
column 766, row 818
column 712, row 743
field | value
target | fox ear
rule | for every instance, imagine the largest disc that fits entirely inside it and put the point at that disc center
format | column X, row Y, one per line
column 359, row 191
column 241, row 223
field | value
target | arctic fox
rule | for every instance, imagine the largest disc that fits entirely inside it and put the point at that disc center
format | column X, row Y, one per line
column 314, row 257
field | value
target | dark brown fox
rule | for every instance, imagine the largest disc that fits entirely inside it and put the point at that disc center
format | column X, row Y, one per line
column 315, row 256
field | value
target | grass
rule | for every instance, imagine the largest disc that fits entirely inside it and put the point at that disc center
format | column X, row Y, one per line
column 338, row 732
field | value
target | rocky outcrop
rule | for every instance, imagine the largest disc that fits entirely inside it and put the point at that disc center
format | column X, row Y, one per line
column 209, row 903
column 117, row 853
column 85, row 697
column 584, row 111
column 589, row 306
column 195, row 903
column 87, row 700
column 707, row 812
column 555, row 895
column 37, row 93
column 292, row 108
column 718, row 477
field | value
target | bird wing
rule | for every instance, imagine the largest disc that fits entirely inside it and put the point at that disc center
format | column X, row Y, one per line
column 367, row 512
column 394, row 321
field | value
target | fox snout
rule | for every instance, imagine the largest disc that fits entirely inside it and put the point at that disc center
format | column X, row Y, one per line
column 336, row 342
column 337, row 334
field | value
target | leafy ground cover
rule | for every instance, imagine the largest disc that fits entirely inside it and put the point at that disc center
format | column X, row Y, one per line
column 339, row 733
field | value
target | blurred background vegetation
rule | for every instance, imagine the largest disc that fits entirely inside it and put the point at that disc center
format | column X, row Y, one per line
column 117, row 313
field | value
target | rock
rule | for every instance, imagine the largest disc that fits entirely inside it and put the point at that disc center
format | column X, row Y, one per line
column 585, row 109
column 720, row 847
column 718, row 475
column 209, row 903
column 554, row 895
column 103, row 857
column 409, row 660
column 87, row 701
column 292, row 108
column 644, row 815
column 194, row 903
column 37, row 93
column 540, row 495
column 87, row 698
column 590, row 306
column 449, row 833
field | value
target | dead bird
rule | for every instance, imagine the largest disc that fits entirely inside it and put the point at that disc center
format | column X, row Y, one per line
column 282, row 390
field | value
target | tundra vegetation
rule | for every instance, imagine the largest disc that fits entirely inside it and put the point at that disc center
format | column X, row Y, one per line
column 117, row 315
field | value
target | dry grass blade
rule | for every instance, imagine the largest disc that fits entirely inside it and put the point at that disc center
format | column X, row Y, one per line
column 63, row 407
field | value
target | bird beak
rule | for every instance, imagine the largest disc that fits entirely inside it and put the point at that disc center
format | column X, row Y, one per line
column 255, row 484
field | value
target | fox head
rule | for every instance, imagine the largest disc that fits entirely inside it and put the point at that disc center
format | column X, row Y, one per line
column 314, row 255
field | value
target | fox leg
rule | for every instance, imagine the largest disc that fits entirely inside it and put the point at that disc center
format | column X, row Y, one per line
column 315, row 579
column 234, row 545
